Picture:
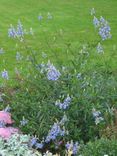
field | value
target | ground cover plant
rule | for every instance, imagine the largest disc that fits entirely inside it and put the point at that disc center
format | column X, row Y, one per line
column 67, row 102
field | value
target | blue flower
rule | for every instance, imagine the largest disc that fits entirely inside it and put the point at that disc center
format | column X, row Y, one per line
column 72, row 147
column 65, row 103
column 54, row 133
column 5, row 74
column 96, row 22
column 104, row 32
column 39, row 145
column 102, row 21
column 104, row 29
column 52, row 73
column 32, row 142
column 17, row 32
column 20, row 31
column 12, row 32
column 2, row 124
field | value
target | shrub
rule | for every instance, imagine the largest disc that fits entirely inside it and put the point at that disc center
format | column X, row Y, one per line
column 38, row 102
column 100, row 147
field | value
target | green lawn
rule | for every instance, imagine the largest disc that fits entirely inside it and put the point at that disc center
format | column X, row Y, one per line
column 71, row 16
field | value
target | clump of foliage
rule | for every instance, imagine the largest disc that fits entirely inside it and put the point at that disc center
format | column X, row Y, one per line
column 41, row 102
column 100, row 147
column 17, row 145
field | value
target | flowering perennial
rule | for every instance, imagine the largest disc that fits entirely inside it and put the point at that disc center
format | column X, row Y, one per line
column 73, row 147
column 65, row 103
column 96, row 22
column 5, row 74
column 19, row 31
column 34, row 143
column 52, row 73
column 54, row 133
column 104, row 29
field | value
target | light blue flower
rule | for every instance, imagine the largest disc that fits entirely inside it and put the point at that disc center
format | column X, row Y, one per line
column 39, row 145
column 2, row 124
column 12, row 32
column 20, row 31
column 54, row 133
column 52, row 73
column 72, row 147
column 65, row 103
column 5, row 74
column 102, row 21
column 32, row 142
column 96, row 22
column 104, row 31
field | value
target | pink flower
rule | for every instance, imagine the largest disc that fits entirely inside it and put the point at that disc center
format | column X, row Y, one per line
column 6, row 133
column 5, row 117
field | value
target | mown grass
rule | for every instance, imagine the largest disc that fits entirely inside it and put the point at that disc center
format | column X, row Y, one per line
column 72, row 17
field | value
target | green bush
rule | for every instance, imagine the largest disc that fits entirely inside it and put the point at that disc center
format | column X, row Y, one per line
column 89, row 90
column 100, row 147
column 36, row 103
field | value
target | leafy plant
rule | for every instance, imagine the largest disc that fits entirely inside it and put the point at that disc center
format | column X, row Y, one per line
column 100, row 147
